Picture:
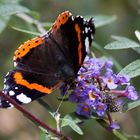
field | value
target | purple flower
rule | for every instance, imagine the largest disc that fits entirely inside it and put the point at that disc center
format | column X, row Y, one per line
column 78, row 95
column 123, row 80
column 100, row 109
column 97, row 89
column 108, row 64
column 93, row 65
column 113, row 125
column 110, row 79
column 93, row 94
column 131, row 93
column 84, row 110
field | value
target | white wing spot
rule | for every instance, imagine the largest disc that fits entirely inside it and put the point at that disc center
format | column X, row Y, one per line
column 86, row 29
column 23, row 98
column 4, row 80
column 92, row 36
column 15, row 64
column 4, row 86
column 87, row 44
column 11, row 106
column 7, row 74
column 11, row 93
column 16, row 87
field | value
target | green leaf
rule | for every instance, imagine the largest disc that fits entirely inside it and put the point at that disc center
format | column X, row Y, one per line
column 132, row 70
column 71, row 121
column 34, row 15
column 105, row 52
column 131, row 105
column 26, row 31
column 9, row 1
column 47, row 25
column 3, row 22
column 121, row 43
column 102, row 20
column 137, row 50
column 119, row 38
column 10, row 9
column 119, row 135
column 137, row 34
column 45, row 137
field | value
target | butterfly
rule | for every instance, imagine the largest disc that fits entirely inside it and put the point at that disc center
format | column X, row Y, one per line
column 43, row 63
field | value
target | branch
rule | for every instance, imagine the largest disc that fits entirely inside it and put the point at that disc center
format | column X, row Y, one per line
column 33, row 118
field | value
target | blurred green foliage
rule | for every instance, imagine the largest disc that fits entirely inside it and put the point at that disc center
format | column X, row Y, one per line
column 13, row 125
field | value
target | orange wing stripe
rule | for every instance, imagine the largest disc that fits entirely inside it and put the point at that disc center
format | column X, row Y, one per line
column 77, row 28
column 62, row 19
column 26, row 47
column 19, row 80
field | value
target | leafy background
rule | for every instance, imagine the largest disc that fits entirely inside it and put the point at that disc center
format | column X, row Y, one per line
column 125, row 17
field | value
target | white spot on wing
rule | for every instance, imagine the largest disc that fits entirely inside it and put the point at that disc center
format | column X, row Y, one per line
column 4, row 86
column 11, row 93
column 4, row 80
column 23, row 98
column 15, row 64
column 72, row 18
column 11, row 106
column 87, row 44
column 86, row 29
column 7, row 74
column 92, row 36
column 16, row 87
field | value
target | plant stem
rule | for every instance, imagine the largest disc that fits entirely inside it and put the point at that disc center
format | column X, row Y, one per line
column 33, row 118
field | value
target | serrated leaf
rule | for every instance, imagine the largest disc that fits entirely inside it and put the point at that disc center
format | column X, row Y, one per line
column 3, row 22
column 132, row 70
column 102, row 20
column 131, row 105
column 70, row 121
column 26, row 31
column 121, row 43
column 10, row 9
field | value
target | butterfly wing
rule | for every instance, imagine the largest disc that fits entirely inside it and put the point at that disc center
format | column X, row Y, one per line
column 45, row 62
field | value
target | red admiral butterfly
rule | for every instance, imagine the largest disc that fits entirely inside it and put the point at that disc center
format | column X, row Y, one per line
column 45, row 62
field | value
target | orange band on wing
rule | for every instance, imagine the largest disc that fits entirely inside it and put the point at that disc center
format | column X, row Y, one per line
column 77, row 28
column 27, row 46
column 19, row 80
column 62, row 19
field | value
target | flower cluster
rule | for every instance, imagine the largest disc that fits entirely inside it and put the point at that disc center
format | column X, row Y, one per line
column 99, row 90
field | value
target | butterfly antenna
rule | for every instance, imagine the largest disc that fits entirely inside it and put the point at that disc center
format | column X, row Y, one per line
column 60, row 104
